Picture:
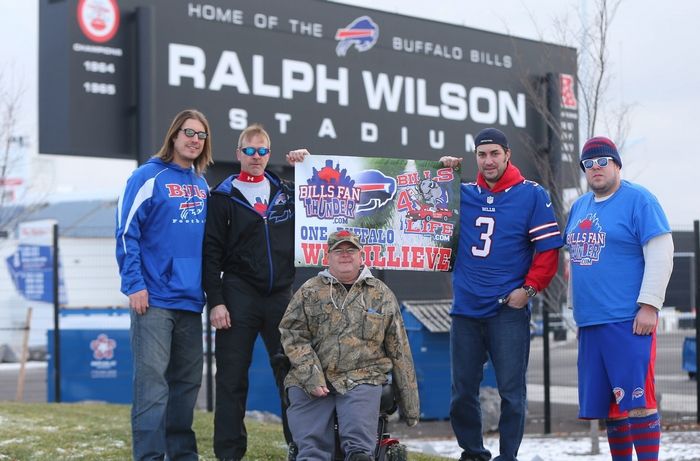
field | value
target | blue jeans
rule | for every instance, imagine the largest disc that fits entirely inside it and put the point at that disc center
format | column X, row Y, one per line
column 506, row 339
column 167, row 349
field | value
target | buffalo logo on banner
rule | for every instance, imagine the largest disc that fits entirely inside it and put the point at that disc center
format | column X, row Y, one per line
column 377, row 190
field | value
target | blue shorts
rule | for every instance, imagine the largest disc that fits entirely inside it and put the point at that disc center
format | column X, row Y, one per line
column 615, row 370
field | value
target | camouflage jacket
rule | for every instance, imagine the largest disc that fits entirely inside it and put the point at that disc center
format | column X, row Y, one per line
column 342, row 338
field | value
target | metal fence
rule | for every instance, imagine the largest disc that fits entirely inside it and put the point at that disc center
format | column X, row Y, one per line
column 676, row 386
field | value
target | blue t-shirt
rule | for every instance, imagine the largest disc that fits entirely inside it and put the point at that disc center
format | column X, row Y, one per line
column 499, row 233
column 606, row 241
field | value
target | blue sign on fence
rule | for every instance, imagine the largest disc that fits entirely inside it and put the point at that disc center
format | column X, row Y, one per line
column 31, row 269
column 95, row 365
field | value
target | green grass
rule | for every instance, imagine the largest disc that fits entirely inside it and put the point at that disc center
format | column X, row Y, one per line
column 52, row 432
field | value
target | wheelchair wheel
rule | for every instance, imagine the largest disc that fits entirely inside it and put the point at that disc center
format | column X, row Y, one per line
column 396, row 452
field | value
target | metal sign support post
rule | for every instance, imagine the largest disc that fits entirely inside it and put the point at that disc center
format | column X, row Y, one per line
column 56, row 311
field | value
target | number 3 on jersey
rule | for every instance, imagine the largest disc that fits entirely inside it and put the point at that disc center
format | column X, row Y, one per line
column 485, row 236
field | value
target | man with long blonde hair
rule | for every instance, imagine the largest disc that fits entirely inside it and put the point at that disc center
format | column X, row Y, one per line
column 160, row 230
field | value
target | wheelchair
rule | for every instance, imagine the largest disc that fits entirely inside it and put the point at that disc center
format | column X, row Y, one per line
column 388, row 448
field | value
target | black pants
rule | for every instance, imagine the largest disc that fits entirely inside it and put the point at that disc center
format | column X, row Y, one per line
column 251, row 314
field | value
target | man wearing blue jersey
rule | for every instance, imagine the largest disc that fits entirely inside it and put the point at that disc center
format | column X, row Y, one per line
column 621, row 254
column 508, row 252
column 250, row 239
column 160, row 229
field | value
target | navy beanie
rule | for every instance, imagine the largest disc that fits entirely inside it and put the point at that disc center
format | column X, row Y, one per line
column 491, row 136
column 600, row 147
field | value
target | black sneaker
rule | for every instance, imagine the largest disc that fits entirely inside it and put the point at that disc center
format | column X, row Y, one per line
column 358, row 456
column 467, row 457
column 292, row 452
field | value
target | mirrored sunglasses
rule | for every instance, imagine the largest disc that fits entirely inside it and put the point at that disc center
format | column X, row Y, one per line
column 600, row 161
column 250, row 151
column 189, row 132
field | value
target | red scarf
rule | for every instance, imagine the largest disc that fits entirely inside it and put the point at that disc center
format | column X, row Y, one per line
column 510, row 178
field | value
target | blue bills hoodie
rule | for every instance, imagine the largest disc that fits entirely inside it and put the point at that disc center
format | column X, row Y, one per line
column 160, row 230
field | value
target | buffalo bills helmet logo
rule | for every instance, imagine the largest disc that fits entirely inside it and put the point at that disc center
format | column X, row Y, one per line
column 191, row 207
column 362, row 33
column 376, row 188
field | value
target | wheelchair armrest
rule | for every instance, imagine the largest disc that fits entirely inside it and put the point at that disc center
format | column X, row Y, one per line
column 387, row 404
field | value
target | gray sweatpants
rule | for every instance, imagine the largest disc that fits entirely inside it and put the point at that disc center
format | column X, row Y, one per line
column 311, row 421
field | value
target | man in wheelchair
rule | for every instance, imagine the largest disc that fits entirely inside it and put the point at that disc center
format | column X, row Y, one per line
column 343, row 334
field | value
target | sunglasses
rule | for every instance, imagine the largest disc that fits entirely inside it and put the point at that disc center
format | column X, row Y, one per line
column 189, row 132
column 250, row 151
column 600, row 161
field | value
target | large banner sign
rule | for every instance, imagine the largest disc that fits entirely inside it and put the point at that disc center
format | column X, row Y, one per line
column 406, row 212
column 330, row 77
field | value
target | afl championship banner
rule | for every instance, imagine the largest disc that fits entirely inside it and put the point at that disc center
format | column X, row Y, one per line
column 406, row 212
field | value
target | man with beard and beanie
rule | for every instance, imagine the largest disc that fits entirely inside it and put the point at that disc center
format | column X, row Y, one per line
column 343, row 333
column 160, row 228
column 508, row 252
column 249, row 239
column 621, row 254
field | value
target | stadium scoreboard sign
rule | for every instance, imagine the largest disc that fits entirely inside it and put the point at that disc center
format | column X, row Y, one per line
column 334, row 78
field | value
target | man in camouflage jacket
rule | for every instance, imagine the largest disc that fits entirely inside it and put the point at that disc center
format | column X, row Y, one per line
column 343, row 334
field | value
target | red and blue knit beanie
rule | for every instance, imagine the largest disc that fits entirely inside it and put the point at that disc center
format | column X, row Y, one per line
column 600, row 146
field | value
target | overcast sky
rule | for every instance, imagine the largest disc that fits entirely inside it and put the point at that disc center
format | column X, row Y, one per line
column 654, row 61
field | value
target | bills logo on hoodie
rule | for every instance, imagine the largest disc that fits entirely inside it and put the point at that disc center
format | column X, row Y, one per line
column 193, row 206
column 190, row 209
column 185, row 190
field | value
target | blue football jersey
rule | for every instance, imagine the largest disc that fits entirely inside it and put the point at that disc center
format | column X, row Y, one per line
column 499, row 234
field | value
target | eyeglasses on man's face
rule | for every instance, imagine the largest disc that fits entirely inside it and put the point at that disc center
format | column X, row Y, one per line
column 250, row 151
column 345, row 251
column 189, row 132
column 600, row 161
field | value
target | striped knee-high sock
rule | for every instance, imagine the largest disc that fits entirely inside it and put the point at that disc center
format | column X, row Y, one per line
column 620, row 439
column 646, row 435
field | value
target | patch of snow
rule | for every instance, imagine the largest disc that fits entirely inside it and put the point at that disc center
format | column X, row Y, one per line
column 675, row 446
